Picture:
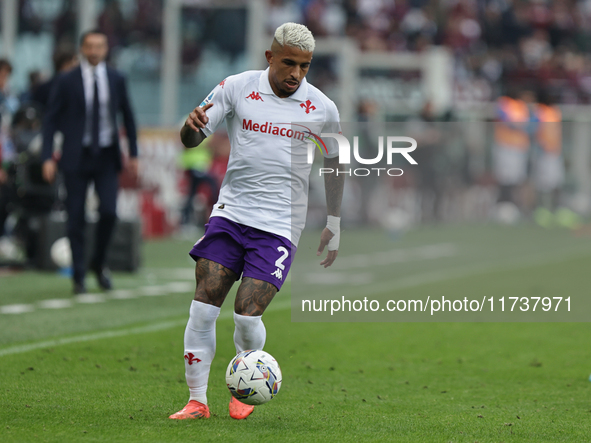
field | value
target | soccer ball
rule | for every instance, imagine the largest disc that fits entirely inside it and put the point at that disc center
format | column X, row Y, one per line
column 253, row 377
column 507, row 213
column 61, row 254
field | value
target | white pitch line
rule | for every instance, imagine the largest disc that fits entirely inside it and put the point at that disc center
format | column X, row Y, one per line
column 170, row 273
column 179, row 287
column 123, row 294
column 152, row 291
column 16, row 309
column 161, row 326
column 56, row 303
column 383, row 258
column 339, row 278
column 120, row 294
column 90, row 298
column 89, row 337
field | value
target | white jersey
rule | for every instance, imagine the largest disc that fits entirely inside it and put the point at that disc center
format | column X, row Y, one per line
column 266, row 183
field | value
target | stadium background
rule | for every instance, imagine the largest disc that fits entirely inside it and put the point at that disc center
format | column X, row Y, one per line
column 380, row 61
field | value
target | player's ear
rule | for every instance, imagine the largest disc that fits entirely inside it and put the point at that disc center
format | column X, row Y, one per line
column 269, row 56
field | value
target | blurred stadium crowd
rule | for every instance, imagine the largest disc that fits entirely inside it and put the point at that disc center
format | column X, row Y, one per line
column 538, row 43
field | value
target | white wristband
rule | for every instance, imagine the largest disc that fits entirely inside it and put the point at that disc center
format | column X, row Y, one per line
column 334, row 225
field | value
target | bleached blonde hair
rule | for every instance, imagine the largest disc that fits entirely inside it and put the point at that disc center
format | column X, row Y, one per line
column 296, row 36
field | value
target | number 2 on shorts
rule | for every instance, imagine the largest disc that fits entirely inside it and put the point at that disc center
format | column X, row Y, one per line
column 280, row 260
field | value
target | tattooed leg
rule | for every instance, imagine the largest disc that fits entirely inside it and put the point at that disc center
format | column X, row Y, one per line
column 253, row 297
column 213, row 282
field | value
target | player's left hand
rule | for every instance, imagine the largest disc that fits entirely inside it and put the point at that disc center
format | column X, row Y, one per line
column 332, row 255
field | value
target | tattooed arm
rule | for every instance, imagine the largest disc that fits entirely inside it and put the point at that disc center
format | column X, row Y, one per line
column 333, row 185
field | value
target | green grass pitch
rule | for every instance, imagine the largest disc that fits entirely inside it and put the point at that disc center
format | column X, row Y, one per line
column 110, row 368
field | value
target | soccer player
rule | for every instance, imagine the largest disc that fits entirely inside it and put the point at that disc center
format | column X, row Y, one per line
column 256, row 223
column 512, row 140
column 548, row 170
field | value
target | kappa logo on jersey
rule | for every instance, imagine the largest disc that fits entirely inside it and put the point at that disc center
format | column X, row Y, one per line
column 255, row 96
column 308, row 106
column 207, row 100
column 222, row 83
column 278, row 274
column 191, row 358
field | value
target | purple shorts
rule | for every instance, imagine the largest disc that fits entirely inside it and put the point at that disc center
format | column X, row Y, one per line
column 245, row 250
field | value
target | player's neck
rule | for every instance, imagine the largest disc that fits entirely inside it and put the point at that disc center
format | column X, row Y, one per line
column 278, row 92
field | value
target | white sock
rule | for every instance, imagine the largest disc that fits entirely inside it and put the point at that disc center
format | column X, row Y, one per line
column 250, row 332
column 200, row 348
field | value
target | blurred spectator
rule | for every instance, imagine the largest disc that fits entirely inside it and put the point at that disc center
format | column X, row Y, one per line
column 6, row 151
column 431, row 157
column 8, row 102
column 35, row 79
column 8, row 106
column 282, row 11
column 147, row 25
column 29, row 21
column 512, row 141
column 6, row 197
column 548, row 172
column 64, row 26
column 63, row 61
column 325, row 18
column 196, row 162
column 113, row 23
column 535, row 49
column 206, row 167
column 25, row 195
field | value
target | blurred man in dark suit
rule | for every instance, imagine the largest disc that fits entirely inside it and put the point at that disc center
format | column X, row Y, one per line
column 84, row 104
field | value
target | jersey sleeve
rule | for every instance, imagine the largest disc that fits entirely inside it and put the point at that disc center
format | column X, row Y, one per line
column 221, row 97
column 332, row 125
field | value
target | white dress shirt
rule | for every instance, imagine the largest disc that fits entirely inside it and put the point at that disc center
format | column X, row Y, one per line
column 105, row 123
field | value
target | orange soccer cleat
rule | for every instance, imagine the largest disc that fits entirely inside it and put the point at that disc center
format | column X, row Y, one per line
column 239, row 410
column 194, row 409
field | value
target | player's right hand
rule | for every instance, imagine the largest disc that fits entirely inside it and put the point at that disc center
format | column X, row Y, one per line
column 197, row 118
column 49, row 170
